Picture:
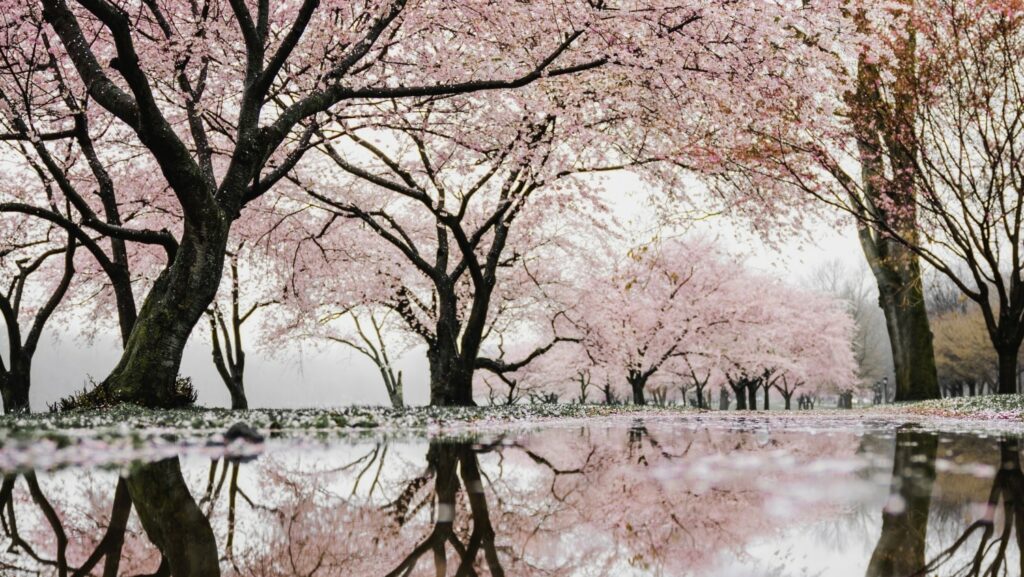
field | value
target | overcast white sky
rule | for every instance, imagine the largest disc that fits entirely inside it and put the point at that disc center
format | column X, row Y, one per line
column 334, row 376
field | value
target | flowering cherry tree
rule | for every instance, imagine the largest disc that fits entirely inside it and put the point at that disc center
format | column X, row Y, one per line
column 38, row 263
column 222, row 98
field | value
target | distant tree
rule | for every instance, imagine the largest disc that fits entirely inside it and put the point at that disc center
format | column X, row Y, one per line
column 963, row 352
column 37, row 266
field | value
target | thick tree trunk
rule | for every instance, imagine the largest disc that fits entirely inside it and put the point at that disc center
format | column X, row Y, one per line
column 451, row 382
column 741, row 397
column 14, row 388
column 901, row 547
column 148, row 370
column 788, row 398
column 638, row 386
column 901, row 297
column 172, row 520
column 897, row 270
column 752, row 397
column 700, row 398
column 1007, row 370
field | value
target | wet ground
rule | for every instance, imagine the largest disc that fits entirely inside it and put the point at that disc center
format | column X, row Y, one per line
column 619, row 496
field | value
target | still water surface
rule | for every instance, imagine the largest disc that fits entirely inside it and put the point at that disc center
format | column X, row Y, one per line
column 622, row 497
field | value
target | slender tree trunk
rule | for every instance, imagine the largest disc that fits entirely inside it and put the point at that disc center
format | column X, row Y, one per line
column 767, row 390
column 901, row 547
column 148, row 369
column 397, row 401
column 239, row 402
column 172, row 520
column 788, row 398
column 700, row 397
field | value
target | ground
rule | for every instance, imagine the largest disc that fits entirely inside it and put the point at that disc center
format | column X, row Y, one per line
column 128, row 433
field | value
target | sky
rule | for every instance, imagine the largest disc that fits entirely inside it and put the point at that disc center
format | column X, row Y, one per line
column 302, row 374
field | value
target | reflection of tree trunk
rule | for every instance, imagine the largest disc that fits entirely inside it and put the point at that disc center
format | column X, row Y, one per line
column 446, row 461
column 988, row 556
column 172, row 520
column 901, row 546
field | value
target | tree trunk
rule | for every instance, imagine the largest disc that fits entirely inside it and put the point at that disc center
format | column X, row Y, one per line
column 451, row 383
column 752, row 397
column 172, row 520
column 638, row 390
column 1007, row 370
column 901, row 297
column 788, row 398
column 397, row 402
column 239, row 402
column 14, row 388
column 700, row 397
column 901, row 547
column 767, row 390
column 723, row 399
column 148, row 369
column 896, row 268
column 741, row 397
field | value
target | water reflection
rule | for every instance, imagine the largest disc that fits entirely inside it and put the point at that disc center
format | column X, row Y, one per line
column 651, row 499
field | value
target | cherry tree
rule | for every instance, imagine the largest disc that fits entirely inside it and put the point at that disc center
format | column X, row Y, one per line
column 841, row 133
column 37, row 266
column 929, row 125
column 222, row 98
column 659, row 304
column 229, row 313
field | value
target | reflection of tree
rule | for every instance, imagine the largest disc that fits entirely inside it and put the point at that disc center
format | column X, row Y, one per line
column 108, row 549
column 901, row 547
column 168, row 513
column 448, row 463
column 173, row 520
column 988, row 556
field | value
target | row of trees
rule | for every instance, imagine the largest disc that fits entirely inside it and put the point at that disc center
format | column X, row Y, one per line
column 415, row 156
column 432, row 158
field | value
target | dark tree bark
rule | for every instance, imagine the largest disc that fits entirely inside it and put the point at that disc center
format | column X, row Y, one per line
column 637, row 383
column 901, row 547
column 739, row 389
column 752, row 395
column 172, row 520
column 723, row 399
column 1007, row 370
